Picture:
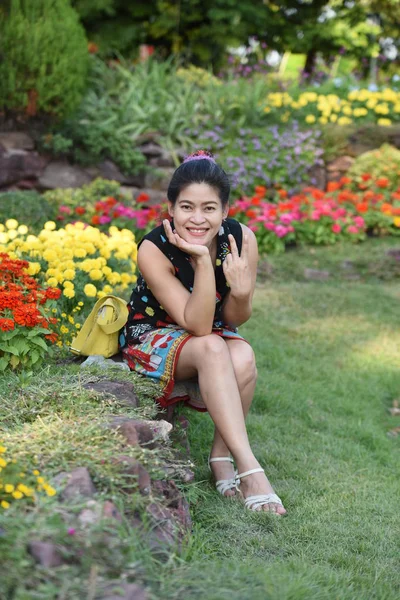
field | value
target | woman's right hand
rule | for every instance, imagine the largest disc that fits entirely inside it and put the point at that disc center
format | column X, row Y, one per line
column 194, row 250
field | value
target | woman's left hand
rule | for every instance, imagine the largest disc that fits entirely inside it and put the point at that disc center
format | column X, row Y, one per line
column 237, row 269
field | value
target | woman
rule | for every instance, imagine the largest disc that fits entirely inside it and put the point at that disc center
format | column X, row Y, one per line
column 197, row 281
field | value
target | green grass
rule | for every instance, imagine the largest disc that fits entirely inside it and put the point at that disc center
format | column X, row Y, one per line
column 328, row 358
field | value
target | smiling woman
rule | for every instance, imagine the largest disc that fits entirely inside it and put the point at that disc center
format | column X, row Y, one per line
column 196, row 284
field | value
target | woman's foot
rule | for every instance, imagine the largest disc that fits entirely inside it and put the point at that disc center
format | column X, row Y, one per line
column 257, row 484
column 224, row 471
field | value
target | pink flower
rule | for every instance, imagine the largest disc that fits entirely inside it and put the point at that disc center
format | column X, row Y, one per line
column 352, row 229
column 65, row 209
column 315, row 215
column 269, row 226
column 287, row 218
column 104, row 219
column 281, row 230
column 359, row 221
column 71, row 531
column 336, row 228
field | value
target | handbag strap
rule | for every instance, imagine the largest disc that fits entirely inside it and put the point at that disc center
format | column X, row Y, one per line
column 119, row 307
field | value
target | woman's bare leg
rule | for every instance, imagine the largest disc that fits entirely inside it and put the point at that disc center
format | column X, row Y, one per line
column 244, row 365
column 208, row 357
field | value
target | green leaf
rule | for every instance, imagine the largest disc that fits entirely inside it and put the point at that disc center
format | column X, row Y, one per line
column 39, row 342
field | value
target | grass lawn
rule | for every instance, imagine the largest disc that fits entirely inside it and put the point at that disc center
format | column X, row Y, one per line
column 328, row 359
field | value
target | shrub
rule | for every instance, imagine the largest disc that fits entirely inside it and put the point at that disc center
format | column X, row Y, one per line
column 376, row 163
column 44, row 57
column 35, row 208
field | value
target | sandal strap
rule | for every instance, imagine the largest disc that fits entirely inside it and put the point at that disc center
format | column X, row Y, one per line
column 254, row 502
column 223, row 485
column 241, row 475
column 221, row 459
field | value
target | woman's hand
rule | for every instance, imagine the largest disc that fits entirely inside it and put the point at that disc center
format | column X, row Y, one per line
column 194, row 250
column 237, row 269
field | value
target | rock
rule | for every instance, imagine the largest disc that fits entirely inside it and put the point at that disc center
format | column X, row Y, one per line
column 79, row 483
column 120, row 590
column 16, row 165
column 348, row 265
column 124, row 391
column 103, row 363
column 151, row 149
column 45, row 553
column 16, row 140
column 175, row 501
column 317, row 176
column 95, row 511
column 315, row 274
column 135, row 469
column 110, row 511
column 164, row 160
column 149, row 432
column 61, row 174
column 127, row 428
column 109, row 170
column 342, row 164
column 160, row 179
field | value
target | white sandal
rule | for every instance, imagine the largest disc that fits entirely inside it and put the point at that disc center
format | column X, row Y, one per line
column 255, row 502
column 224, row 485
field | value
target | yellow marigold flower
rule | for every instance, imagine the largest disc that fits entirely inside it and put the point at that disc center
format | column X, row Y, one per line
column 323, row 120
column 22, row 230
column 12, row 234
column 95, row 274
column 49, row 226
column 333, row 118
column 106, row 270
column 3, row 449
column 68, row 284
column 114, row 278
column 90, row 290
column 396, row 221
column 310, row 119
column 80, row 303
column 4, row 504
column 71, row 319
column 125, row 277
column 107, row 289
column 52, row 282
column 64, row 329
column 267, row 109
column 33, row 268
column 69, row 274
column 50, row 491
column 3, row 463
column 49, row 255
column 78, row 325
column 11, row 224
column 69, row 292
column 40, row 480
column 384, row 122
column 9, row 488
column 80, row 253
column 344, row 121
column 17, row 495
column 100, row 294
column 36, row 472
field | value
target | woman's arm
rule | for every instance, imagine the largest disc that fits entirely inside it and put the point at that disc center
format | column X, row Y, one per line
column 240, row 273
column 192, row 311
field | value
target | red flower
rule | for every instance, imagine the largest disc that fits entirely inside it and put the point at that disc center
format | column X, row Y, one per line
column 362, row 207
column 251, row 213
column 232, row 211
column 143, row 197
column 95, row 220
column 332, row 186
column 6, row 324
column 53, row 293
column 366, row 176
column 80, row 210
column 282, row 193
column 382, row 182
column 255, row 201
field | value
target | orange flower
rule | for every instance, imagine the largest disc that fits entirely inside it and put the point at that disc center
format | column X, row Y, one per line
column 251, row 213
column 95, row 220
column 260, row 190
column 345, row 180
column 382, row 182
column 362, row 207
column 366, row 176
column 6, row 324
column 386, row 208
column 255, row 201
column 332, row 186
column 232, row 211
column 282, row 193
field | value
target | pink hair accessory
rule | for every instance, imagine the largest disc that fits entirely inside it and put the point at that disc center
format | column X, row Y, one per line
column 200, row 155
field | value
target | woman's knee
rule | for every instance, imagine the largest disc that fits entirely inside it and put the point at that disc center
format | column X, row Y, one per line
column 244, row 363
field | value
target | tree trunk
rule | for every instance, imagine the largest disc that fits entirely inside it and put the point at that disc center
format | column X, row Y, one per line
column 311, row 59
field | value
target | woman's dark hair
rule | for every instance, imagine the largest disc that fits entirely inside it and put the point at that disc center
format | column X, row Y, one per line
column 196, row 169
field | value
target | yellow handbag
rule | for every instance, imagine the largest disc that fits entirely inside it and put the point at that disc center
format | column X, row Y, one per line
column 99, row 333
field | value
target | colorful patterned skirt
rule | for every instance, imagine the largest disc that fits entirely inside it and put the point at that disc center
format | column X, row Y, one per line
column 157, row 356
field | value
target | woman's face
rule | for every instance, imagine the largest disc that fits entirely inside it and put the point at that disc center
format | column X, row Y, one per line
column 198, row 214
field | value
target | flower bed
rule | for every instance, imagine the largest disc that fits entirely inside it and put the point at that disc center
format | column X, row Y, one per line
column 26, row 328
column 346, row 210
column 360, row 106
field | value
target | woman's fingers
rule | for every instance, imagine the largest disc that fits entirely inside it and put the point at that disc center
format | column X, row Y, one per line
column 234, row 248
